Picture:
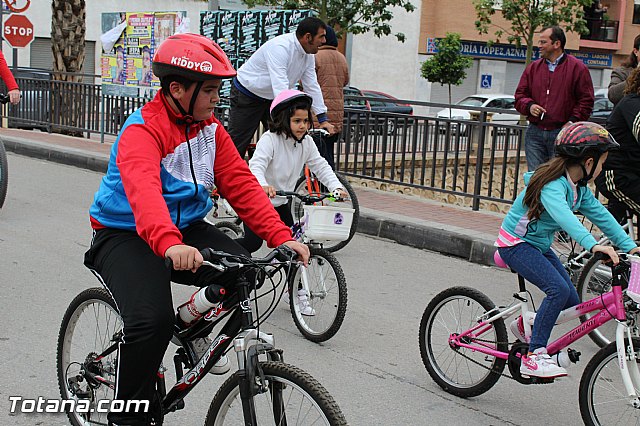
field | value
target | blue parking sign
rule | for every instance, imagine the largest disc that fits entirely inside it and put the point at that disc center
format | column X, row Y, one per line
column 485, row 81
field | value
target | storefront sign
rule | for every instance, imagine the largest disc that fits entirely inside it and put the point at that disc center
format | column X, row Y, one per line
column 511, row 53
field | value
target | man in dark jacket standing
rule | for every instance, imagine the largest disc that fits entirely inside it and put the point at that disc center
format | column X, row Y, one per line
column 554, row 91
column 333, row 74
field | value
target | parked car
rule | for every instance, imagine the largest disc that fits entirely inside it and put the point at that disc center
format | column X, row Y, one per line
column 600, row 92
column 33, row 109
column 602, row 108
column 355, row 103
column 500, row 101
column 386, row 103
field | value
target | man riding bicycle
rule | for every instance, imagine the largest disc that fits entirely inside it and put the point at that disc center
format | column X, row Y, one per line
column 152, row 202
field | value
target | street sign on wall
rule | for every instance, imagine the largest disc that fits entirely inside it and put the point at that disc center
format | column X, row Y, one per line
column 18, row 31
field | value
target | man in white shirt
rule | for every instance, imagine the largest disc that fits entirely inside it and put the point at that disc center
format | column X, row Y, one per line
column 276, row 66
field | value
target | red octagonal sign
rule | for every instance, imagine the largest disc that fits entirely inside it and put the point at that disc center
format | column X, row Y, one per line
column 18, row 31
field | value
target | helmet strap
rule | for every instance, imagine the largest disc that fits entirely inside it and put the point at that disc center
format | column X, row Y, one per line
column 587, row 176
column 187, row 117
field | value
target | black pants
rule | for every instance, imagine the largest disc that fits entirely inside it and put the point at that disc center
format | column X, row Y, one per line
column 245, row 116
column 622, row 187
column 251, row 242
column 328, row 154
column 139, row 282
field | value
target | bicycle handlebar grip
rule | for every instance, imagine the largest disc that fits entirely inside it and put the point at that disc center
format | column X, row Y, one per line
column 286, row 253
column 601, row 256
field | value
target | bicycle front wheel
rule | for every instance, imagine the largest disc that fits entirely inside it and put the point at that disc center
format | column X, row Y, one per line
column 4, row 174
column 460, row 371
column 327, row 296
column 231, row 229
column 602, row 396
column 297, row 210
column 292, row 397
column 89, row 326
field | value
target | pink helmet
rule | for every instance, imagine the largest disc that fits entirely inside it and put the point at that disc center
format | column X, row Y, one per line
column 285, row 99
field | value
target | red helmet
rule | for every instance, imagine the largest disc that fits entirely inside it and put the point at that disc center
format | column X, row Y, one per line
column 577, row 138
column 191, row 56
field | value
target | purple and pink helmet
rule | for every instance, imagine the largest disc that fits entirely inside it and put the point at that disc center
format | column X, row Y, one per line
column 577, row 138
column 286, row 98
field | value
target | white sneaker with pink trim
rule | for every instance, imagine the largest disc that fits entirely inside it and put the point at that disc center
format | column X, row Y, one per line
column 540, row 364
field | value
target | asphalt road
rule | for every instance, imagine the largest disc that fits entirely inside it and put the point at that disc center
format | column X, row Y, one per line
column 372, row 366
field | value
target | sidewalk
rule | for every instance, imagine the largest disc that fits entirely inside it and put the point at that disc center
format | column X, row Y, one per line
column 407, row 220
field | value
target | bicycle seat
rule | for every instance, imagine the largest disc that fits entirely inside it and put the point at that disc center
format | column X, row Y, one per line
column 500, row 263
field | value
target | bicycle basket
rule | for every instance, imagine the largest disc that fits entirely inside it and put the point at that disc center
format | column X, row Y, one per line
column 633, row 291
column 328, row 223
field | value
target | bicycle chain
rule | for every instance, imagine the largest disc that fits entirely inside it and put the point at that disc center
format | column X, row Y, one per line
column 490, row 369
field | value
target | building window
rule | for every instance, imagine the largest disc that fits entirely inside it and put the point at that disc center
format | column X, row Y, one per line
column 636, row 11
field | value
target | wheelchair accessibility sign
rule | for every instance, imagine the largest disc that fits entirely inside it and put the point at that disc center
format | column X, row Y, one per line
column 485, row 81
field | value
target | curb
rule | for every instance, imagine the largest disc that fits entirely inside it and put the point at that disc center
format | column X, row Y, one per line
column 58, row 154
column 427, row 238
column 418, row 236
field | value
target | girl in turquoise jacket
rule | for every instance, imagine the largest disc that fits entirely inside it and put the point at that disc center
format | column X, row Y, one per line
column 552, row 194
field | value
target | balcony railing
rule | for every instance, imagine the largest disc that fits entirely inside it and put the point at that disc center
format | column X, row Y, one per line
column 600, row 30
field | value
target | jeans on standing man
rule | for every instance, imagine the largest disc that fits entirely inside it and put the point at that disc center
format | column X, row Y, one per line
column 539, row 145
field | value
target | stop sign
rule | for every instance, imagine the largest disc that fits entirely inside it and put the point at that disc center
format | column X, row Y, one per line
column 18, row 31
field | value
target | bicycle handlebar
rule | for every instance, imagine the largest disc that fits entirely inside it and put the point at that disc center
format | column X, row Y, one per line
column 4, row 98
column 223, row 260
column 318, row 131
column 310, row 199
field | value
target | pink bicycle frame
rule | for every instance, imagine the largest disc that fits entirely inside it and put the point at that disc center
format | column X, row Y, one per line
column 609, row 304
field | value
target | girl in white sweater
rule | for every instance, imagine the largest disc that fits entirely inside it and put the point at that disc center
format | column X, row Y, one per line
column 280, row 155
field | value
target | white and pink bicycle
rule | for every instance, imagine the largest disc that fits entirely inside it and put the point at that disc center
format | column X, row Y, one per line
column 465, row 346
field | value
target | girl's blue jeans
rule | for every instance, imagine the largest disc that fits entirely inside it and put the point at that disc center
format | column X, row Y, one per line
column 545, row 271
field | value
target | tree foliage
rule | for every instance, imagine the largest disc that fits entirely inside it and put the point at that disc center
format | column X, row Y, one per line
column 447, row 66
column 347, row 16
column 525, row 18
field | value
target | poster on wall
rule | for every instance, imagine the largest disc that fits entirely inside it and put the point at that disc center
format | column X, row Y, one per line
column 138, row 49
column 126, row 68
column 271, row 25
column 241, row 32
column 248, row 32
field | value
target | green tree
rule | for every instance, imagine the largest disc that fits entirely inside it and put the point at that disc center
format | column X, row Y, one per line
column 525, row 18
column 347, row 16
column 448, row 65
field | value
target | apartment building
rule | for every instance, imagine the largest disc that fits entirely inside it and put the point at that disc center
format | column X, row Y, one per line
column 496, row 68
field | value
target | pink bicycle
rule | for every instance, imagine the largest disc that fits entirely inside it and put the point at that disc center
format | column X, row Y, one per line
column 465, row 348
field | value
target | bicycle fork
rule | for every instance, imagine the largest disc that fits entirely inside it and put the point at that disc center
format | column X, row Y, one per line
column 248, row 345
column 628, row 363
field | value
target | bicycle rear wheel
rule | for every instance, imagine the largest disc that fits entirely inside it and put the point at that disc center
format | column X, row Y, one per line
column 461, row 371
column 297, row 210
column 4, row 174
column 293, row 397
column 327, row 296
column 602, row 395
column 89, row 326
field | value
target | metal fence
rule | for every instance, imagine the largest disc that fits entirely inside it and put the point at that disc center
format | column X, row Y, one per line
column 477, row 159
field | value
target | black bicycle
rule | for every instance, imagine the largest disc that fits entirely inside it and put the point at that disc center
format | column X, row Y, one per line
column 4, row 163
column 260, row 392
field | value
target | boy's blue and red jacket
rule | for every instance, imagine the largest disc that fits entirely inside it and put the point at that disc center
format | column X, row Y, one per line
column 149, row 184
